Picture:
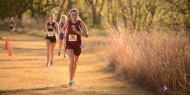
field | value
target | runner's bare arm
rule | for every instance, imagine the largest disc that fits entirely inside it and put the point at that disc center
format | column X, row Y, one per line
column 64, row 29
column 60, row 29
column 65, row 26
column 57, row 28
column 84, row 31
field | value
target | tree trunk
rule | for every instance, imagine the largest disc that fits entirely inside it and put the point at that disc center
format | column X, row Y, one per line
column 60, row 11
column 123, row 13
column 94, row 16
column 131, row 16
column 114, row 14
column 109, row 8
column 70, row 5
column 19, row 19
column 99, row 14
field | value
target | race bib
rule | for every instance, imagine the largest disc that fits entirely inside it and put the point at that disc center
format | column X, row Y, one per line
column 72, row 37
column 50, row 34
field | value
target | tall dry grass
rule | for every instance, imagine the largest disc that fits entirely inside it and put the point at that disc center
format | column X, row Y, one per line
column 153, row 60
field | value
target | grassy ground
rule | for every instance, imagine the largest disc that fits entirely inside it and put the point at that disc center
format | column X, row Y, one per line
column 25, row 72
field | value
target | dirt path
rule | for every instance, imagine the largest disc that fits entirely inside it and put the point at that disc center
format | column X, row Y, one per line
column 25, row 72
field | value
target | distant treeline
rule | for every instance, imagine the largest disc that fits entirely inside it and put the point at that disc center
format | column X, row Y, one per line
column 139, row 15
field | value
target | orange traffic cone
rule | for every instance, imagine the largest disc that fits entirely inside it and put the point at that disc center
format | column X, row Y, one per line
column 6, row 47
column 10, row 53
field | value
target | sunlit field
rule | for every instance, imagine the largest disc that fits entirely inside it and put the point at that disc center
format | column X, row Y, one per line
column 159, row 61
column 129, row 47
column 25, row 72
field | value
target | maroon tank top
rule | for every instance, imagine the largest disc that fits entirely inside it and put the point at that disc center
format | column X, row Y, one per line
column 73, row 38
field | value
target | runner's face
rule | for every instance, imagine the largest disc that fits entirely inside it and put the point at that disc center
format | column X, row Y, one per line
column 63, row 19
column 50, row 18
column 74, row 15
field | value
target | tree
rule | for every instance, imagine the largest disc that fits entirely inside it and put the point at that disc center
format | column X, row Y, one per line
column 10, row 8
column 60, row 10
column 40, row 8
column 96, row 13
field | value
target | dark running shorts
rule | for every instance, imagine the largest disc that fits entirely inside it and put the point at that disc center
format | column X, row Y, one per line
column 61, row 35
column 11, row 27
column 76, row 49
column 52, row 39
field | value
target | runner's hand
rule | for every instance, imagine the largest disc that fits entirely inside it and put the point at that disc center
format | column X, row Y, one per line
column 74, row 29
